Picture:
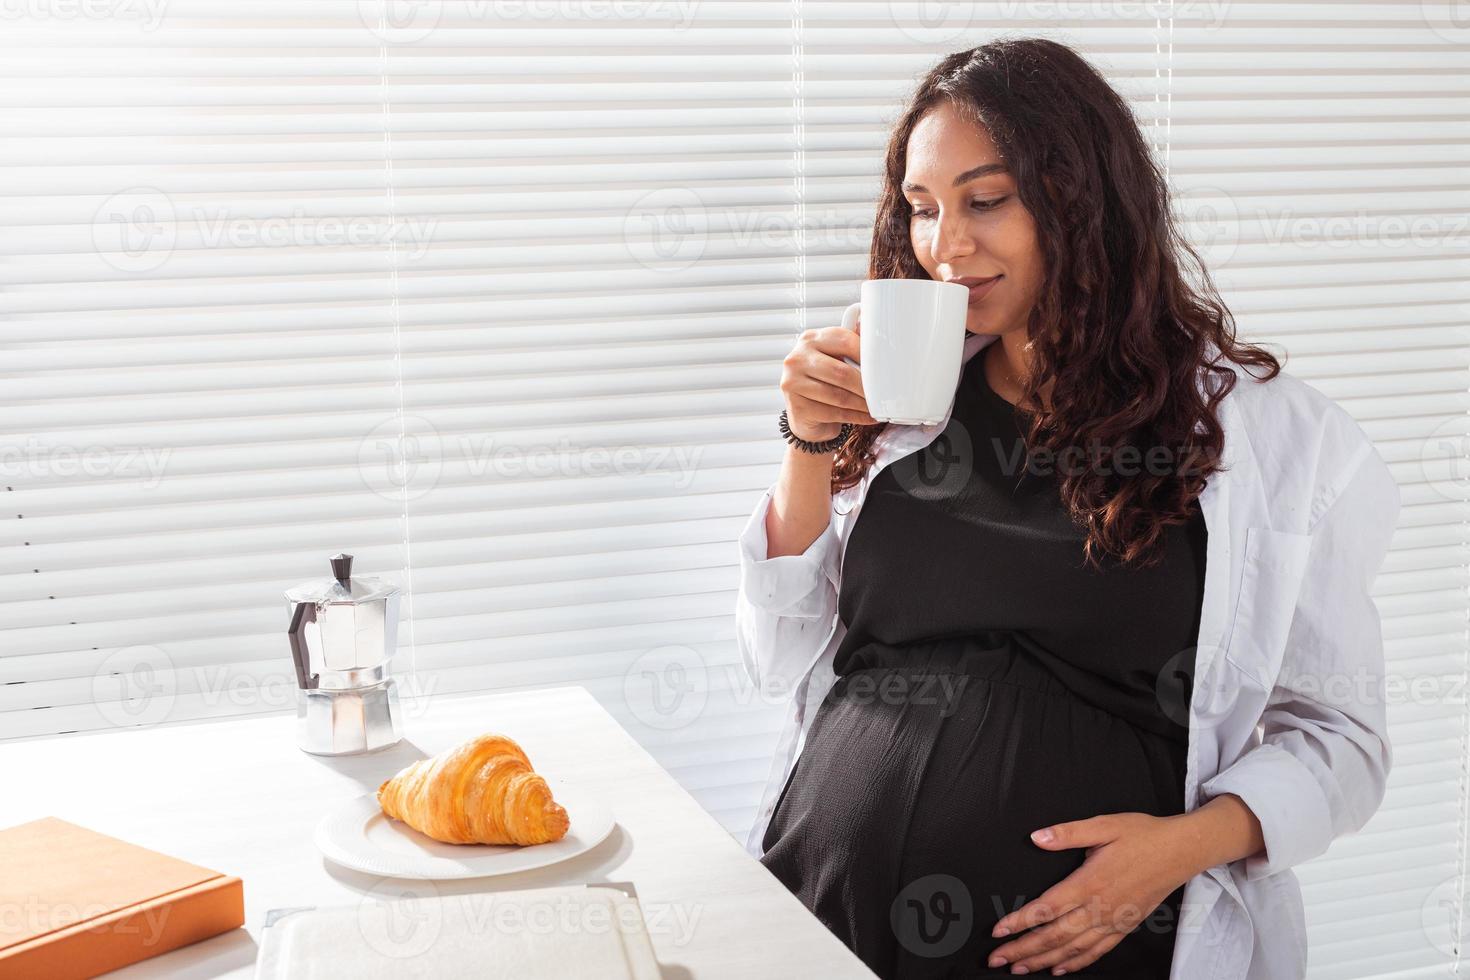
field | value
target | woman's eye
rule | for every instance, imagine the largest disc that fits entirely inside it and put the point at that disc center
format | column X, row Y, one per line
column 990, row 205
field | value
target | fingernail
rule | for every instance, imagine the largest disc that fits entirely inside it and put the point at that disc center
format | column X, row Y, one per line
column 1058, row 972
column 997, row 961
column 1001, row 931
column 1019, row 970
column 1043, row 836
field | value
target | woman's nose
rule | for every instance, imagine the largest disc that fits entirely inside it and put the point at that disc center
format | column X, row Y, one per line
column 952, row 239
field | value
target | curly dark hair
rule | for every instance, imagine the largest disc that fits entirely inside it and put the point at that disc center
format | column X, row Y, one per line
column 1116, row 324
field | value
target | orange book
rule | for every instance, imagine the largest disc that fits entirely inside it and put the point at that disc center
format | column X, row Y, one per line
column 78, row 903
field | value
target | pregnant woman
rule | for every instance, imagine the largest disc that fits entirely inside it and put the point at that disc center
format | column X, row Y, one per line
column 996, row 737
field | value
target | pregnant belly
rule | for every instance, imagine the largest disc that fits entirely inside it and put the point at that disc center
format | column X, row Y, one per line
column 916, row 792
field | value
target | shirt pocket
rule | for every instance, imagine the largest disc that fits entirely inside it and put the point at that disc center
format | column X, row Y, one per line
column 1271, row 579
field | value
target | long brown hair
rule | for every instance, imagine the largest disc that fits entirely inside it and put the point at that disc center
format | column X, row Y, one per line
column 1116, row 324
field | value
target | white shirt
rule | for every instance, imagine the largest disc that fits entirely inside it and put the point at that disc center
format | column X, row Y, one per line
column 1290, row 648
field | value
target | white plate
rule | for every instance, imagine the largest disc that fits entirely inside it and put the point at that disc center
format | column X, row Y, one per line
column 360, row 836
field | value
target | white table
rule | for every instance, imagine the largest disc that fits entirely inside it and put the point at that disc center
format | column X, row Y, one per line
column 238, row 797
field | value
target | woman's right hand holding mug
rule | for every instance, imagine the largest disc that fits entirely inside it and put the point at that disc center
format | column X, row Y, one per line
column 822, row 384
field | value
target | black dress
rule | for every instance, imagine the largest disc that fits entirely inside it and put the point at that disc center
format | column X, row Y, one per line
column 989, row 684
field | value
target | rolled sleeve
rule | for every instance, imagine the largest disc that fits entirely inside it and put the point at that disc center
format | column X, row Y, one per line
column 1321, row 767
column 790, row 585
column 785, row 603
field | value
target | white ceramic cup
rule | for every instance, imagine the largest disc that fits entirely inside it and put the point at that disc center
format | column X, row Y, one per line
column 913, row 345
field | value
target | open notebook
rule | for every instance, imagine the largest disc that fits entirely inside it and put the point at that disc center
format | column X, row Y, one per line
column 572, row 932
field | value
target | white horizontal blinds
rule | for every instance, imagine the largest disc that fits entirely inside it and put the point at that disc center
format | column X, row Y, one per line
column 1321, row 152
column 196, row 316
column 591, row 337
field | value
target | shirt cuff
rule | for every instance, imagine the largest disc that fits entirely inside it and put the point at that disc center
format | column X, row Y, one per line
column 789, row 585
column 1296, row 821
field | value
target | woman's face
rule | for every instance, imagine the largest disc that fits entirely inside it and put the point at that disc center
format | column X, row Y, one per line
column 967, row 220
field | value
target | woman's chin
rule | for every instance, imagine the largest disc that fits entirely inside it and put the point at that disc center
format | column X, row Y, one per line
column 981, row 326
column 985, row 322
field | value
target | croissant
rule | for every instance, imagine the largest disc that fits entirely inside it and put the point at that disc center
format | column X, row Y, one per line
column 480, row 792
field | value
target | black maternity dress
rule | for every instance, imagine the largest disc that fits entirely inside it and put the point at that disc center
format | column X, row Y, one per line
column 989, row 684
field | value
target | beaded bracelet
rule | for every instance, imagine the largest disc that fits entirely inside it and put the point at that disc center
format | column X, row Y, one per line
column 815, row 448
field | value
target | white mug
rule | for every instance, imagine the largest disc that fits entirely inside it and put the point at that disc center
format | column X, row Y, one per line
column 913, row 345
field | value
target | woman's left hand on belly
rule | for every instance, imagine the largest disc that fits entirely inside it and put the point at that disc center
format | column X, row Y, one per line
column 1134, row 861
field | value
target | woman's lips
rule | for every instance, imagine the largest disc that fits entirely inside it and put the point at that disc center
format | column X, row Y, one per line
column 980, row 290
